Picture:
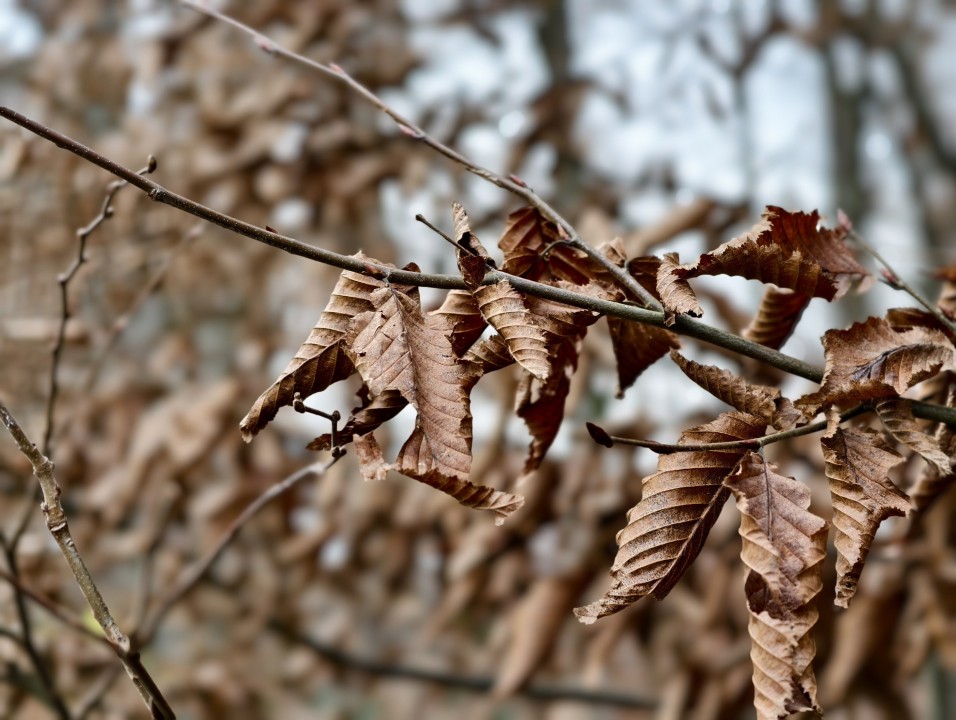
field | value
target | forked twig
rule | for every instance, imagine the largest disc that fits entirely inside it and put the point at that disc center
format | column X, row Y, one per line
column 57, row 523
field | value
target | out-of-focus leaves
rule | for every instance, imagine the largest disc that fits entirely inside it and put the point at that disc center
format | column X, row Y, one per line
column 784, row 545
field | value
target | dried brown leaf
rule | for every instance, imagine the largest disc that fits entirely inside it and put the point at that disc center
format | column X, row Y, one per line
column 636, row 348
column 763, row 401
column 321, row 360
column 371, row 414
column 464, row 319
column 932, row 483
column 506, row 310
column 489, row 355
column 679, row 504
column 784, row 545
column 786, row 249
column 776, row 318
column 675, row 292
column 858, row 465
column 645, row 269
column 871, row 360
column 396, row 349
column 897, row 417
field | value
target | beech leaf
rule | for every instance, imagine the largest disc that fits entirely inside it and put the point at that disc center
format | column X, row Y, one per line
column 395, row 349
column 675, row 292
column 776, row 318
column 679, row 504
column 789, row 250
column 784, row 545
column 636, row 348
column 858, row 464
column 505, row 309
column 464, row 319
column 321, row 360
column 763, row 401
column 871, row 360
column 897, row 417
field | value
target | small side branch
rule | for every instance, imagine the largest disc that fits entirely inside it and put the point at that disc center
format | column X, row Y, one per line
column 57, row 523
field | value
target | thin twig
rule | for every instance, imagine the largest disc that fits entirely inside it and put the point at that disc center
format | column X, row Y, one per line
column 511, row 184
column 601, row 437
column 58, row 525
column 684, row 325
column 64, row 279
column 895, row 281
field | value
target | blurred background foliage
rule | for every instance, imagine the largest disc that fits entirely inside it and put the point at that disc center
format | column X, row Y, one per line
column 668, row 124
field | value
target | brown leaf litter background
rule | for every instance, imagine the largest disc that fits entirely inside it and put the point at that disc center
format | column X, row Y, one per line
column 387, row 599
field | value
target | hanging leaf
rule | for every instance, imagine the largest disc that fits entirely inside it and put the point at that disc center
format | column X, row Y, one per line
column 636, row 348
column 645, row 270
column 371, row 414
column 786, row 249
column 760, row 400
column 321, row 360
column 871, row 360
column 858, row 465
column 897, row 417
column 675, row 293
column 932, row 483
column 679, row 504
column 776, row 318
column 784, row 545
column 396, row 349
column 464, row 319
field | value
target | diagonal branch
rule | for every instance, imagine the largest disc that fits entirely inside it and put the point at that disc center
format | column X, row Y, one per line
column 58, row 525
column 684, row 326
column 511, row 184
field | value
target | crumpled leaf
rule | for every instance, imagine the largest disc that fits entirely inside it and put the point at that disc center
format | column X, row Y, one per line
column 321, row 360
column 932, row 483
column 784, row 545
column 679, row 504
column 897, row 417
column 761, row 400
column 636, row 348
column 395, row 348
column 505, row 309
column 871, row 360
column 776, row 318
column 786, row 249
column 858, row 464
column 675, row 293
column 488, row 355
column 371, row 414
column 463, row 317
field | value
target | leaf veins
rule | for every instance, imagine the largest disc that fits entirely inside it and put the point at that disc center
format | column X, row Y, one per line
column 395, row 349
column 858, row 465
column 679, row 504
column 783, row 546
column 776, row 318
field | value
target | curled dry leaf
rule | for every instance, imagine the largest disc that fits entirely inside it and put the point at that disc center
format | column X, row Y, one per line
column 871, row 360
column 897, row 417
column 784, row 545
column 789, row 250
column 675, row 292
column 321, row 360
column 776, row 318
column 931, row 482
column 679, row 504
column 858, row 465
column 763, row 401
column 395, row 349
column 464, row 319
column 636, row 348
column 371, row 414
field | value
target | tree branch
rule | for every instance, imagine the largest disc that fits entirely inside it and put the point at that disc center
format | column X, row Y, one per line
column 58, row 525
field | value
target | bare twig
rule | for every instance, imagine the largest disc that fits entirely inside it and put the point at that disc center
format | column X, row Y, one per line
column 601, row 437
column 58, row 525
column 894, row 280
column 683, row 326
column 82, row 235
column 511, row 184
